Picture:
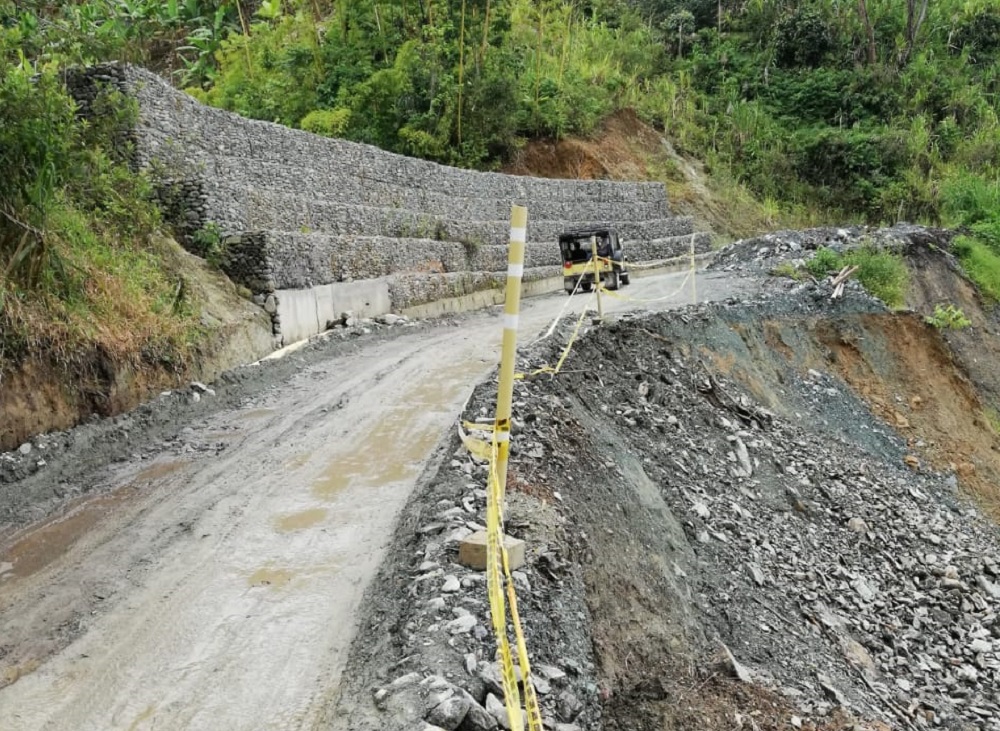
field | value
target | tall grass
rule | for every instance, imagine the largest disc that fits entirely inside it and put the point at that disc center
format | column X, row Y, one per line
column 79, row 267
column 981, row 264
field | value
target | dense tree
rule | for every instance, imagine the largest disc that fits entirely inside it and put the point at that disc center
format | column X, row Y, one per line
column 868, row 108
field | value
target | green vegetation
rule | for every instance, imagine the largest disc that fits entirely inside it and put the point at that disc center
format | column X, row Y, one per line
column 981, row 264
column 866, row 110
column 78, row 272
column 992, row 417
column 787, row 269
column 869, row 110
column 882, row 273
column 795, row 100
column 207, row 242
column 948, row 317
column 974, row 204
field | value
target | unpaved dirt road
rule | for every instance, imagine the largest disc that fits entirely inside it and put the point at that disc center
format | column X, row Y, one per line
column 219, row 592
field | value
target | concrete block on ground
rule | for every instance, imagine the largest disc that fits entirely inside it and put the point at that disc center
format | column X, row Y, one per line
column 472, row 551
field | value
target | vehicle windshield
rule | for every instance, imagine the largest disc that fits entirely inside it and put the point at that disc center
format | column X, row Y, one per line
column 578, row 249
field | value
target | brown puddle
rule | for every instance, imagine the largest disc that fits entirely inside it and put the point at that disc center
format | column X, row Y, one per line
column 394, row 450
column 13, row 673
column 300, row 521
column 158, row 470
column 273, row 578
column 43, row 544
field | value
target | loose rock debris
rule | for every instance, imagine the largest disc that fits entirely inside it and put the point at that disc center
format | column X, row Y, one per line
column 698, row 557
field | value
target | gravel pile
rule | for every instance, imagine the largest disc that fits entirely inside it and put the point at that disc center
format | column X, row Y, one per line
column 447, row 675
column 761, row 254
column 839, row 574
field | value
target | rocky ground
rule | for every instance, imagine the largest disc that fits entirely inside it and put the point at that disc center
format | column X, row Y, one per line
column 722, row 533
column 761, row 254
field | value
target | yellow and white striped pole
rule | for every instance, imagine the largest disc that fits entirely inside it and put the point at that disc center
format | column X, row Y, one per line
column 511, row 313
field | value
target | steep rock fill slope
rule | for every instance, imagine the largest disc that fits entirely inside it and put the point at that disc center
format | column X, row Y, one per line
column 724, row 529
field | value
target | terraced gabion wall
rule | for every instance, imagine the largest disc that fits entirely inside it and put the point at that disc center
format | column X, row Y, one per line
column 299, row 211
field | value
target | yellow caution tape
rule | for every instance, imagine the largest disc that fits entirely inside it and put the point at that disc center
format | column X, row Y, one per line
column 498, row 576
column 498, row 573
column 640, row 300
column 477, row 447
column 565, row 353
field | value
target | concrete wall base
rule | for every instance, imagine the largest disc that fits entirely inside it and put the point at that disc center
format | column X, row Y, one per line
column 305, row 312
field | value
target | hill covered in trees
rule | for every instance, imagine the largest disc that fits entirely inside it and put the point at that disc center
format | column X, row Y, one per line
column 876, row 110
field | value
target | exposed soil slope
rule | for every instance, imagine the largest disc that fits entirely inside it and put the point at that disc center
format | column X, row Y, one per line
column 39, row 395
column 626, row 148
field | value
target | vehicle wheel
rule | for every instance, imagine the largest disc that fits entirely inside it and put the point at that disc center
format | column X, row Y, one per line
column 569, row 290
column 585, row 286
column 611, row 281
column 625, row 279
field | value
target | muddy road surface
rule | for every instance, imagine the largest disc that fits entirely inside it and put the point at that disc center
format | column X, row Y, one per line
column 217, row 588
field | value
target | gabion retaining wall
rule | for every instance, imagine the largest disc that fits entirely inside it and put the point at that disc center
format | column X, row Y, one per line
column 296, row 210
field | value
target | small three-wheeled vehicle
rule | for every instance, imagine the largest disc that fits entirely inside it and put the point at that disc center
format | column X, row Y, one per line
column 578, row 265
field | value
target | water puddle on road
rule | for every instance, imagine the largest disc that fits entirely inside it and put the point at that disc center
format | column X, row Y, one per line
column 158, row 470
column 300, row 521
column 270, row 577
column 394, row 450
column 43, row 544
column 38, row 546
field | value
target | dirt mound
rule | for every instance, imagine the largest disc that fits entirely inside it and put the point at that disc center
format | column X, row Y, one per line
column 617, row 151
column 626, row 148
column 939, row 388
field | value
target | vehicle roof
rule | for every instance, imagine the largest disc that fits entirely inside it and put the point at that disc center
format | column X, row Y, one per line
column 583, row 232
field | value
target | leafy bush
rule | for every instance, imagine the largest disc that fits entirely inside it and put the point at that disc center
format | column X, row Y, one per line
column 882, row 273
column 850, row 168
column 948, row 317
column 327, row 122
column 970, row 199
column 37, row 135
column 787, row 269
column 979, row 35
column 824, row 262
column 803, row 38
column 208, row 242
column 78, row 266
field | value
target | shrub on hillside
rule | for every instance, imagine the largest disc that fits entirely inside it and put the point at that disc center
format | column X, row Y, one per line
column 980, row 264
column 77, row 269
column 803, row 38
column 882, row 273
